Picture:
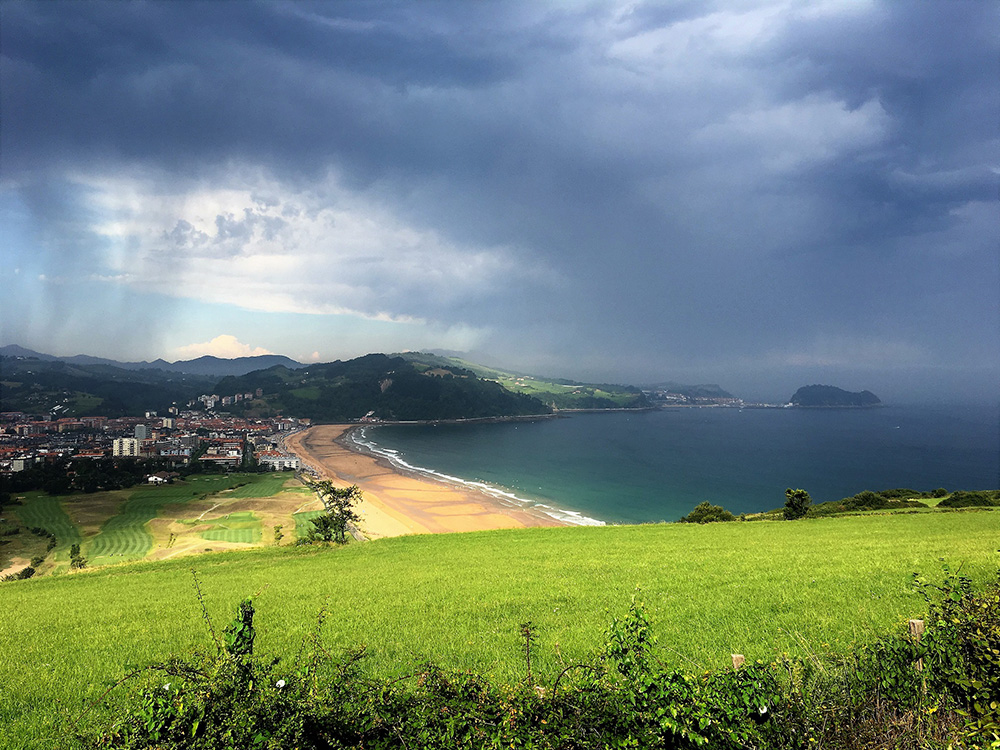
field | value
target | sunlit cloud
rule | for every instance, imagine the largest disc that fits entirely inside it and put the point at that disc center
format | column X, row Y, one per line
column 224, row 346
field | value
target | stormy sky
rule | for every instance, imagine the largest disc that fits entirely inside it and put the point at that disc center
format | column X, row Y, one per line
column 759, row 193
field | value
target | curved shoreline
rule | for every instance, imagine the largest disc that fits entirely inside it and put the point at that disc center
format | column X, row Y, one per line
column 499, row 494
column 397, row 502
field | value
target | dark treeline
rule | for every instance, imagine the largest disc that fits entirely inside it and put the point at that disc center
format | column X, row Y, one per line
column 65, row 476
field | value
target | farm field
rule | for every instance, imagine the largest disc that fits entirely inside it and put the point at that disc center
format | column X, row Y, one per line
column 753, row 588
column 564, row 396
column 199, row 514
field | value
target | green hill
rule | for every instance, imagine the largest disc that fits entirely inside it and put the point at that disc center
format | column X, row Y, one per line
column 411, row 386
column 556, row 393
column 713, row 590
column 390, row 387
column 44, row 387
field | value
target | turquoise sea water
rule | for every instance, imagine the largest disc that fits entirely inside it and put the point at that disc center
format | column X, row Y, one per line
column 633, row 467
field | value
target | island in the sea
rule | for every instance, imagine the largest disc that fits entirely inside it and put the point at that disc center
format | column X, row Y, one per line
column 829, row 396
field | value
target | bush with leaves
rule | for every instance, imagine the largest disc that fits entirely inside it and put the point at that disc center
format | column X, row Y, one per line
column 796, row 504
column 976, row 499
column 707, row 513
column 76, row 560
column 21, row 575
column 961, row 651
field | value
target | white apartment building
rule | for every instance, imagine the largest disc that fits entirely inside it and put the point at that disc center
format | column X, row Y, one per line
column 125, row 447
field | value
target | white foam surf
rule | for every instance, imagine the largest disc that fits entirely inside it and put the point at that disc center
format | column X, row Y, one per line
column 361, row 439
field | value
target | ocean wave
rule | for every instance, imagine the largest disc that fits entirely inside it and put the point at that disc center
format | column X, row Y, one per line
column 365, row 444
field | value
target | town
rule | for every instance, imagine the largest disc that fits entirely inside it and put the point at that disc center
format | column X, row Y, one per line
column 196, row 432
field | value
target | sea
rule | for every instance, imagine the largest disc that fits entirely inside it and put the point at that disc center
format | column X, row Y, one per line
column 649, row 466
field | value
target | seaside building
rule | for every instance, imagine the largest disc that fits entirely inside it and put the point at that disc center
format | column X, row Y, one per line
column 276, row 461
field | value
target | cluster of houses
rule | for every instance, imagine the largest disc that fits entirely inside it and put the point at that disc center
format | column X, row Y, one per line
column 176, row 438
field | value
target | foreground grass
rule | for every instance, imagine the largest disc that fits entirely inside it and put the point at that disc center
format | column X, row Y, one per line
column 711, row 590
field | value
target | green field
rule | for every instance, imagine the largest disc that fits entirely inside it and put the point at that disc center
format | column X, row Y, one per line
column 125, row 536
column 752, row 588
column 567, row 396
column 47, row 513
column 243, row 528
column 265, row 485
column 124, row 533
column 302, row 522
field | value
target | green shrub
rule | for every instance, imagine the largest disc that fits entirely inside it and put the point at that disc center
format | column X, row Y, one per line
column 21, row 575
column 962, row 499
column 796, row 504
column 707, row 513
column 961, row 652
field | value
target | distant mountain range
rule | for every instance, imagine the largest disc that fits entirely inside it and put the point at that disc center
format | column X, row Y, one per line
column 207, row 365
column 383, row 387
column 406, row 386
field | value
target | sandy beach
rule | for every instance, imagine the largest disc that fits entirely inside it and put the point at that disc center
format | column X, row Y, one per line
column 396, row 503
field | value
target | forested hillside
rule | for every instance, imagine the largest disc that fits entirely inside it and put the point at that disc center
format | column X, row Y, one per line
column 52, row 387
column 390, row 387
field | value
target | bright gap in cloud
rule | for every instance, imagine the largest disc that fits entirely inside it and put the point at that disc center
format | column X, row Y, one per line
column 224, row 346
column 274, row 247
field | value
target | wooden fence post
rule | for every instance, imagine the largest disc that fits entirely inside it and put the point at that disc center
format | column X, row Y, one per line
column 738, row 660
column 916, row 631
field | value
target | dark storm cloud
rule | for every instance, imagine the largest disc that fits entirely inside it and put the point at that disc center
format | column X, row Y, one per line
column 707, row 194
column 196, row 81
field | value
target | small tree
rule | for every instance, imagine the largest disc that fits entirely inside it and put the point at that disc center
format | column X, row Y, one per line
column 278, row 536
column 76, row 560
column 796, row 504
column 339, row 502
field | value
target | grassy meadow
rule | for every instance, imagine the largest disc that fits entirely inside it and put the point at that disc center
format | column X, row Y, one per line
column 752, row 588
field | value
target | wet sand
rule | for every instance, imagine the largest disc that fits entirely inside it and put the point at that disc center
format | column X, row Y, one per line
column 396, row 503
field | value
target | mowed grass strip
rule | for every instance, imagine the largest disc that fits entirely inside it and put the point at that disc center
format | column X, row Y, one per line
column 46, row 512
column 241, row 528
column 751, row 588
column 263, row 485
